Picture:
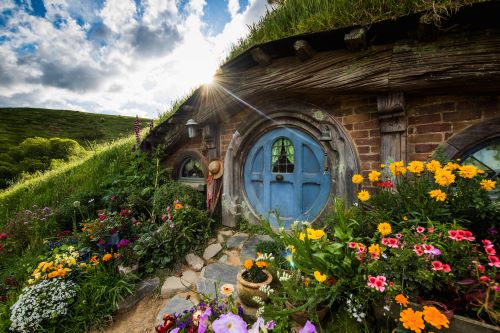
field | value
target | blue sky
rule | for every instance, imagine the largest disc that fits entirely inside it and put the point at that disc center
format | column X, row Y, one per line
column 114, row 56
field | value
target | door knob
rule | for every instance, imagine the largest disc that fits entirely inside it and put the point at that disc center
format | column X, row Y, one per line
column 279, row 178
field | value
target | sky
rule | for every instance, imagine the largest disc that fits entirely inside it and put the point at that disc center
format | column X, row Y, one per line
column 126, row 57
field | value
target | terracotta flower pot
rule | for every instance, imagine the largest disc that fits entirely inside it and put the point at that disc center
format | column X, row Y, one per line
column 247, row 290
column 302, row 316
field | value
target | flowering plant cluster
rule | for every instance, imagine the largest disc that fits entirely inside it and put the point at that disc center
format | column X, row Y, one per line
column 59, row 264
column 42, row 302
column 429, row 319
column 108, row 224
column 255, row 269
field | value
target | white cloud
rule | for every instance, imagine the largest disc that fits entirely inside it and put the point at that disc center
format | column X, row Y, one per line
column 127, row 65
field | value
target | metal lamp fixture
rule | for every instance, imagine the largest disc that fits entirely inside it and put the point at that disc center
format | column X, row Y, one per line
column 191, row 126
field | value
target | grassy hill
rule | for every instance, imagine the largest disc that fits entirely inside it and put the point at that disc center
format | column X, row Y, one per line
column 17, row 124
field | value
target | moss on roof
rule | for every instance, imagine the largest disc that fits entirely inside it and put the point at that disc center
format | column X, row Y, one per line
column 294, row 17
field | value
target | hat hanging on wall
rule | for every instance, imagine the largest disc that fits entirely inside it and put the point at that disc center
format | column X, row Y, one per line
column 216, row 169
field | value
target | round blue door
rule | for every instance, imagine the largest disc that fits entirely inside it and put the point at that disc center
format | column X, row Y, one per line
column 285, row 171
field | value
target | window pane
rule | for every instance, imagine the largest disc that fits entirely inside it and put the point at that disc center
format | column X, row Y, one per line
column 283, row 156
column 191, row 169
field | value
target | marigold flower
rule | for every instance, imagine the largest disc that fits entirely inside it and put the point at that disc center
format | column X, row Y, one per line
column 320, row 277
column 227, row 289
column 178, row 206
column 94, row 260
column 433, row 166
column 363, row 195
column 488, row 184
column 374, row 176
column 401, row 299
column 357, row 179
column 434, row 317
column 374, row 250
column 438, row 195
column 384, row 228
column 107, row 257
column 261, row 264
column 248, row 263
column 452, row 166
column 397, row 168
column 412, row 320
column 444, row 177
column 467, row 171
column 53, row 274
column 416, row 167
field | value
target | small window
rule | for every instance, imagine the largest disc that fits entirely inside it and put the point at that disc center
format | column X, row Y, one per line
column 191, row 170
column 283, row 156
column 486, row 157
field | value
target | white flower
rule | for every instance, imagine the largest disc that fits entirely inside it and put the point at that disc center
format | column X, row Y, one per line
column 258, row 300
column 266, row 289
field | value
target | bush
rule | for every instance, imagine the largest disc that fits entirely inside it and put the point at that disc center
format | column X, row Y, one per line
column 161, row 245
column 172, row 190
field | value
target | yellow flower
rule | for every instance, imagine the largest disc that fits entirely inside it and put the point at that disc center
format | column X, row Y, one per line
column 315, row 234
column 374, row 249
column 397, row 168
column 291, row 248
column 248, row 263
column 444, row 177
column 412, row 320
column 363, row 195
column 416, row 167
column 384, row 228
column 480, row 171
column 107, row 257
column 467, row 171
column 306, row 282
column 357, row 179
column 433, row 166
column 401, row 299
column 438, row 195
column 227, row 289
column 405, row 218
column 488, row 184
column 452, row 166
column 261, row 264
column 434, row 317
column 382, row 166
column 35, row 272
column 374, row 176
column 320, row 277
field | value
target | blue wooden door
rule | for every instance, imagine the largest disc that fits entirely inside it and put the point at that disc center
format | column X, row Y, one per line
column 284, row 171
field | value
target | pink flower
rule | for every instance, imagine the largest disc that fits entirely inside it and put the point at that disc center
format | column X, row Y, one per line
column 496, row 287
column 490, row 251
column 102, row 217
column 469, row 236
column 420, row 230
column 361, row 248
column 352, row 245
column 437, row 265
column 391, row 284
column 377, row 282
column 428, row 248
column 484, row 278
column 3, row 235
column 446, row 268
column 480, row 268
column 418, row 250
column 430, row 230
column 399, row 236
column 494, row 261
column 487, row 242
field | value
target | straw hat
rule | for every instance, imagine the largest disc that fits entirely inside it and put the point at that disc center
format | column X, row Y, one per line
column 216, row 169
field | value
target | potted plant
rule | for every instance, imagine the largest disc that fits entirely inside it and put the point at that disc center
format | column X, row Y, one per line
column 251, row 279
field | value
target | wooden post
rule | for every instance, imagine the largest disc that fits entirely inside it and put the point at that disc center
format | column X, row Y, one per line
column 356, row 39
column 303, row 50
column 391, row 109
column 261, row 57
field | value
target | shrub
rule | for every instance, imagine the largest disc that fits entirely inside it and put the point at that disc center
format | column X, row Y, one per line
column 172, row 190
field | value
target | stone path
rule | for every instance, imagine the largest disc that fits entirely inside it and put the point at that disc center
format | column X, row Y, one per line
column 220, row 263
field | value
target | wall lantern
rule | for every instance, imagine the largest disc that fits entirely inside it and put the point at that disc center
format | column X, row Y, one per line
column 191, row 126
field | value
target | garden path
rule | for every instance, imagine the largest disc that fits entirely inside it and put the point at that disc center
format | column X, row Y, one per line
column 221, row 262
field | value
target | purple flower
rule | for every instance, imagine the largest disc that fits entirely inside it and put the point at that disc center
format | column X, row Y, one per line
column 271, row 324
column 436, row 252
column 240, row 310
column 175, row 330
column 229, row 323
column 123, row 243
column 308, row 328
column 202, row 326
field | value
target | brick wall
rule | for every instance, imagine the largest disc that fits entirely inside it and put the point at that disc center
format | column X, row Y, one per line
column 433, row 120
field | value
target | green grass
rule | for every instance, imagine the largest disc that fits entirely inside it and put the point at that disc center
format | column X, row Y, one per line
column 71, row 181
column 295, row 17
column 18, row 124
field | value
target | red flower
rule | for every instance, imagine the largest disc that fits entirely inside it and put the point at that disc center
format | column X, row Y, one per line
column 484, row 278
column 430, row 230
column 446, row 268
column 391, row 284
column 3, row 235
column 420, row 230
column 437, row 265
column 480, row 268
column 102, row 217
column 490, row 251
column 468, row 235
column 418, row 250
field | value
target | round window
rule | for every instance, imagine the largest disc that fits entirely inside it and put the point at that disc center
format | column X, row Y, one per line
column 191, row 169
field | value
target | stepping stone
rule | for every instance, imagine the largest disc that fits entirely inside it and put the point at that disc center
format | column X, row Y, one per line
column 144, row 288
column 207, row 286
column 223, row 259
column 226, row 233
column 190, row 277
column 221, row 272
column 211, row 251
column 177, row 304
column 172, row 286
column 194, row 262
column 236, row 242
column 249, row 248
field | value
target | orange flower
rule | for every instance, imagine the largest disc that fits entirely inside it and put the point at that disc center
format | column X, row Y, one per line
column 53, row 274
column 107, row 257
column 401, row 299
column 94, row 260
column 262, row 264
column 412, row 320
column 248, row 263
column 178, row 206
column 306, row 282
column 434, row 317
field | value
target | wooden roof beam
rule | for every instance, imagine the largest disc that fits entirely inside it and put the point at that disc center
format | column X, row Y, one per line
column 260, row 56
column 303, row 50
column 355, row 40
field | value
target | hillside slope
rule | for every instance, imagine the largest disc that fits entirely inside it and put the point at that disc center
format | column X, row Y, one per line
column 17, row 124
